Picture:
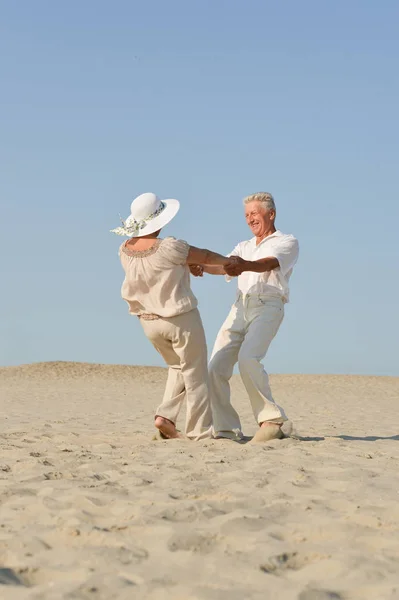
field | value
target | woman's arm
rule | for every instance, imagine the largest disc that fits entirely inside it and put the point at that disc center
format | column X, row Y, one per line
column 207, row 258
column 215, row 270
column 199, row 270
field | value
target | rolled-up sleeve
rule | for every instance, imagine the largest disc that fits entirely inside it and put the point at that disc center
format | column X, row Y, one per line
column 286, row 252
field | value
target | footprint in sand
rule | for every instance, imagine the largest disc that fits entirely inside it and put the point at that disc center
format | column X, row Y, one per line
column 192, row 542
column 210, row 512
column 53, row 475
column 134, row 555
column 54, row 504
column 243, row 525
column 277, row 565
column 179, row 515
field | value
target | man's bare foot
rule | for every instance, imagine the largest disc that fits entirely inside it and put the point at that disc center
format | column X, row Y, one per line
column 268, row 431
column 167, row 428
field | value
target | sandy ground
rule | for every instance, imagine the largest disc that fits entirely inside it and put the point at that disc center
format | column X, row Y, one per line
column 92, row 507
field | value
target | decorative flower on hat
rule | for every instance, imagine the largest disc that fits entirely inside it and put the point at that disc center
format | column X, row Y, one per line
column 131, row 227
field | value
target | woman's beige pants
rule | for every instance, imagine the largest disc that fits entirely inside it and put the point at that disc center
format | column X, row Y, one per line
column 181, row 342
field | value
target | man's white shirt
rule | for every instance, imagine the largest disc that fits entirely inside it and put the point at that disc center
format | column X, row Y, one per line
column 278, row 245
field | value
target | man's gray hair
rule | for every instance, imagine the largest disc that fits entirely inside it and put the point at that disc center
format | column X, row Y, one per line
column 264, row 198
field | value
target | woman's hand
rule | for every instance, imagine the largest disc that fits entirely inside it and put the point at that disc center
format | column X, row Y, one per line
column 196, row 270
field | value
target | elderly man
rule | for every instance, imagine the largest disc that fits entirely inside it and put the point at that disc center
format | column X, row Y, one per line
column 263, row 265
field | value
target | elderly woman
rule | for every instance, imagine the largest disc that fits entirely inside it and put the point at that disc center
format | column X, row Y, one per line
column 157, row 290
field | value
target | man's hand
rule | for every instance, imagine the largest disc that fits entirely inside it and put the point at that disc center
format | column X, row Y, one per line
column 196, row 270
column 235, row 266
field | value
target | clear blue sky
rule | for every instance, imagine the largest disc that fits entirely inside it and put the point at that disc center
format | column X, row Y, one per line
column 205, row 101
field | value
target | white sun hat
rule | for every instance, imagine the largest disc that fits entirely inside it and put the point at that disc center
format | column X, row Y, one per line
column 148, row 214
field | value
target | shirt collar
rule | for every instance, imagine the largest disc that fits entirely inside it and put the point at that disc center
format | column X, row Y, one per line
column 277, row 233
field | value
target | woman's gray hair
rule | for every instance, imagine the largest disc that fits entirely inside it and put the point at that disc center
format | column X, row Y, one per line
column 264, row 198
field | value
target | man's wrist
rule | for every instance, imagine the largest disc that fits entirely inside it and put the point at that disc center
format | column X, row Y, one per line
column 247, row 266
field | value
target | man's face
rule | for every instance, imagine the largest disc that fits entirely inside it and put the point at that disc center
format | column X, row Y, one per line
column 258, row 218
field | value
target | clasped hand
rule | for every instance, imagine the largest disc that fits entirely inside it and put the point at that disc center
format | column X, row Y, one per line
column 196, row 270
column 233, row 267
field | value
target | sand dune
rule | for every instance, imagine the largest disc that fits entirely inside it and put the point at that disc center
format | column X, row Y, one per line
column 92, row 506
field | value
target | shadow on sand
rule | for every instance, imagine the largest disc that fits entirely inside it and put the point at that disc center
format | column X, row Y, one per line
column 348, row 438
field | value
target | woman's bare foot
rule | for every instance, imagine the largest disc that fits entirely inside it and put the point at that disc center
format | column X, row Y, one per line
column 167, row 428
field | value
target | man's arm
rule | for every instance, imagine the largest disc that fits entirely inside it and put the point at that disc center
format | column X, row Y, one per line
column 286, row 255
column 262, row 264
column 257, row 266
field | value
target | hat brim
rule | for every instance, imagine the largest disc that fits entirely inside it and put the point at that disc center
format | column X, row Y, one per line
column 171, row 209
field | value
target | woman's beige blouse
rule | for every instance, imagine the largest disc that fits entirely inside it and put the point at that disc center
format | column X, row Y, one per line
column 157, row 281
